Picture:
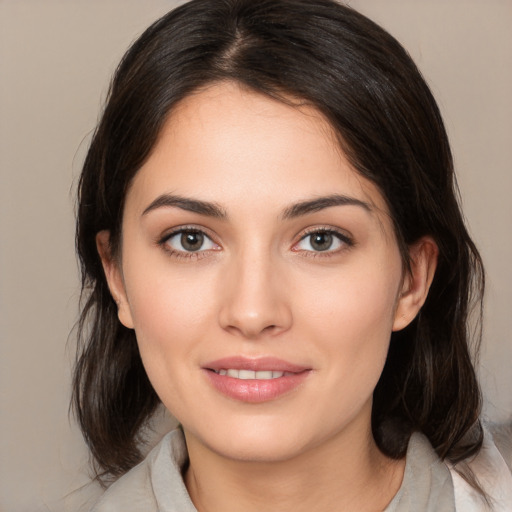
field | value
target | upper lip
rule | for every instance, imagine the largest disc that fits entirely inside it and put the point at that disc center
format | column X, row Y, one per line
column 255, row 364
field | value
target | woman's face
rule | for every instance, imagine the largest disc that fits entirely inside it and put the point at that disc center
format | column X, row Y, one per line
column 261, row 275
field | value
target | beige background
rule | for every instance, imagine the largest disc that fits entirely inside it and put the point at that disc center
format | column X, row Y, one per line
column 55, row 61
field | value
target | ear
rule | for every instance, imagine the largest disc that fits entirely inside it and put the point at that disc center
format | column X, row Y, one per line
column 114, row 277
column 416, row 284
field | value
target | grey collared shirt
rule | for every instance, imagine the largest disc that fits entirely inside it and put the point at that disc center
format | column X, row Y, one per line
column 156, row 485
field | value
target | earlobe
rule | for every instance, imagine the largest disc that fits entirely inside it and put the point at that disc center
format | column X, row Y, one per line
column 414, row 291
column 114, row 278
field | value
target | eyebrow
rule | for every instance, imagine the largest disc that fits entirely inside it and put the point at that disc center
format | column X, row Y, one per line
column 210, row 209
column 320, row 203
column 190, row 205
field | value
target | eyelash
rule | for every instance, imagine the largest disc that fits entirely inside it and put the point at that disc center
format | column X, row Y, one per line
column 343, row 238
column 185, row 255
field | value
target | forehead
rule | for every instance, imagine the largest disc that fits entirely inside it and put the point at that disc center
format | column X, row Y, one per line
column 232, row 145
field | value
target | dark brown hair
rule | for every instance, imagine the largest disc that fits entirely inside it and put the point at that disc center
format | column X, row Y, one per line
column 356, row 74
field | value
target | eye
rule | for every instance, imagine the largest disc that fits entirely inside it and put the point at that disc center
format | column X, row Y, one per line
column 323, row 240
column 190, row 240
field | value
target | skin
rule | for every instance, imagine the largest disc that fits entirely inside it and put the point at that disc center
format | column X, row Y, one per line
column 257, row 287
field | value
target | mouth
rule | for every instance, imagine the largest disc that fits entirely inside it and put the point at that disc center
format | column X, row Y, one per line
column 251, row 374
column 255, row 380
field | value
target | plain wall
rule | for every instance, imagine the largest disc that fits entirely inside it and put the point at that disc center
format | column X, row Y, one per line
column 56, row 58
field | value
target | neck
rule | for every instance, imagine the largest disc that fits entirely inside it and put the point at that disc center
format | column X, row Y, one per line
column 347, row 472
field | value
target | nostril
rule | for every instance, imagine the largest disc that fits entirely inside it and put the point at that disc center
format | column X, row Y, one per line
column 252, row 312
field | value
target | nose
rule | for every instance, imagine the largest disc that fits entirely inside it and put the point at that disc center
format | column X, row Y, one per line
column 254, row 299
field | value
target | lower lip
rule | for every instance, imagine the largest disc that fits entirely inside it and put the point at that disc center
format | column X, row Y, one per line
column 255, row 390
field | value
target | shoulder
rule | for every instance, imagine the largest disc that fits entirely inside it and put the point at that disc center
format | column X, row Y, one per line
column 502, row 437
column 155, row 485
column 131, row 492
column 430, row 484
column 492, row 468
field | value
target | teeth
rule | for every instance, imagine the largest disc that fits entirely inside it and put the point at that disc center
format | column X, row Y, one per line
column 246, row 374
column 264, row 375
column 250, row 374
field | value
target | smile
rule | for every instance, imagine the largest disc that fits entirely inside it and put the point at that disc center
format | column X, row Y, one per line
column 253, row 375
column 255, row 380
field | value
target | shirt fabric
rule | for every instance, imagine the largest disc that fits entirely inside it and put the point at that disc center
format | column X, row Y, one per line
column 429, row 484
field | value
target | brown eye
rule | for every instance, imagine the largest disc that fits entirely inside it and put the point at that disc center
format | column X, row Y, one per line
column 321, row 241
column 190, row 240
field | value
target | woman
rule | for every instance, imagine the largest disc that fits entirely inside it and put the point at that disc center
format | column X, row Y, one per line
column 272, row 248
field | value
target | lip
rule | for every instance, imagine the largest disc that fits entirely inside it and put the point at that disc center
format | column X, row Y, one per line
column 255, row 364
column 255, row 390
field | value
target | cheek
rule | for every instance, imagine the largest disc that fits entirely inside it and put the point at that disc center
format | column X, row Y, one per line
column 351, row 317
column 356, row 301
column 172, row 311
column 352, row 329
column 163, row 295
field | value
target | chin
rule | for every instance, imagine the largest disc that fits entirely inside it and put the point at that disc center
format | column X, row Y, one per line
column 258, row 449
column 255, row 440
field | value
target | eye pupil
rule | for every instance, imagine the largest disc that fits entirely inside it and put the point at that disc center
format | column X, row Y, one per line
column 321, row 241
column 192, row 240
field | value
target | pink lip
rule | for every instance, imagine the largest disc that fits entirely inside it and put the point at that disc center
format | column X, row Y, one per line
column 255, row 390
column 257, row 364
